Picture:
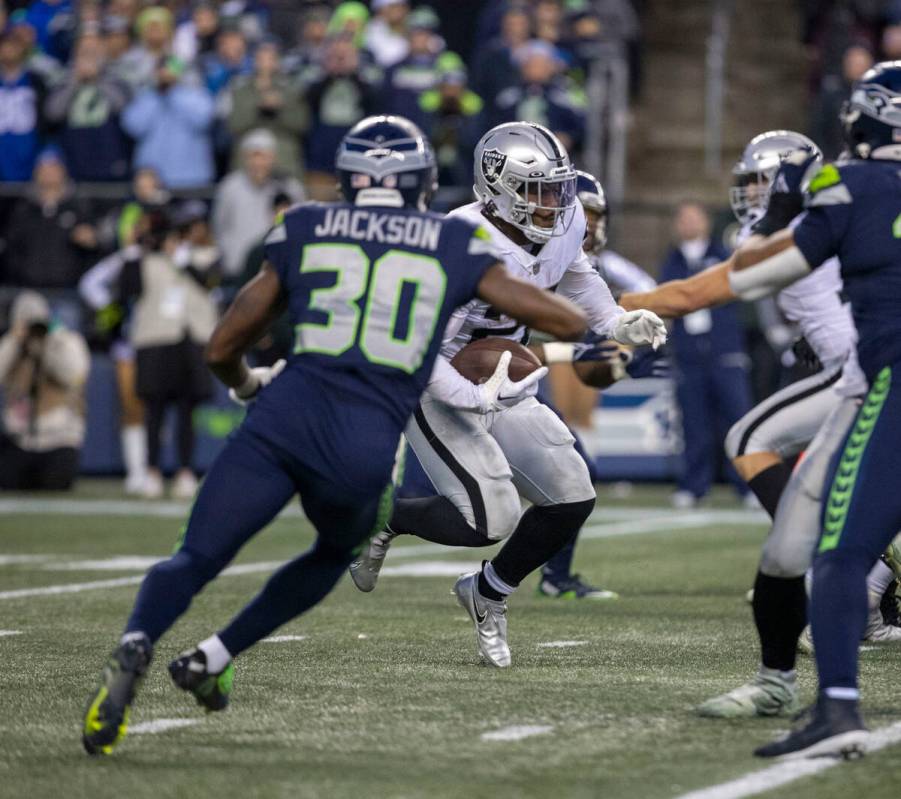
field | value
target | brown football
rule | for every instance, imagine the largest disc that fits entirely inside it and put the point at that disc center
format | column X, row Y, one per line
column 478, row 359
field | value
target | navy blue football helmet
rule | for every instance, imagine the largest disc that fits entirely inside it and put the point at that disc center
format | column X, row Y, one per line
column 387, row 161
column 590, row 193
column 872, row 117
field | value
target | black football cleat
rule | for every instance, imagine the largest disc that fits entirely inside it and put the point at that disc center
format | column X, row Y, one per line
column 106, row 719
column 833, row 729
column 189, row 672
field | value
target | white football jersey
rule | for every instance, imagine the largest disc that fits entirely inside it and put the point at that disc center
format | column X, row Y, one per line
column 560, row 260
column 814, row 303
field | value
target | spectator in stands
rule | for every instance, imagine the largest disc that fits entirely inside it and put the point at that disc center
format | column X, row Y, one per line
column 229, row 60
column 154, row 26
column 22, row 95
column 196, row 37
column 345, row 92
column 124, row 61
column 494, row 69
column 37, row 61
column 43, row 370
column 311, row 40
column 451, row 118
column 891, row 41
column 148, row 194
column 386, row 34
column 170, row 123
column 825, row 128
column 50, row 237
column 85, row 109
column 416, row 73
column 242, row 211
column 172, row 319
column 543, row 96
column 54, row 24
column 349, row 18
column 547, row 21
column 710, row 363
column 267, row 100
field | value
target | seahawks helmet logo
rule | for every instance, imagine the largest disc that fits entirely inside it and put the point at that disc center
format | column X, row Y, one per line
column 493, row 164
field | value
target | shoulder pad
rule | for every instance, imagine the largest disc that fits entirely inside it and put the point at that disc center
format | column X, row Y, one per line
column 826, row 188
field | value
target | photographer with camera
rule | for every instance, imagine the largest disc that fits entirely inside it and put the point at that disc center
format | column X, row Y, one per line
column 43, row 370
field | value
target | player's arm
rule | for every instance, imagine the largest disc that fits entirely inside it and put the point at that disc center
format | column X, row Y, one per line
column 530, row 305
column 251, row 314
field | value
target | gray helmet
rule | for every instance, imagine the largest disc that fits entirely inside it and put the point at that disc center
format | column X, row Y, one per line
column 521, row 168
column 754, row 171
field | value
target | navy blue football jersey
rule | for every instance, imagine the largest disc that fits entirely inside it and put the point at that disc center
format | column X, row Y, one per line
column 854, row 212
column 370, row 291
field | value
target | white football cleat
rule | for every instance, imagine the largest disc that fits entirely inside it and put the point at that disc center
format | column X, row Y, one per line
column 878, row 632
column 768, row 694
column 489, row 617
column 364, row 571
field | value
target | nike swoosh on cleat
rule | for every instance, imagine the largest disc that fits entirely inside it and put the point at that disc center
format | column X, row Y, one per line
column 480, row 617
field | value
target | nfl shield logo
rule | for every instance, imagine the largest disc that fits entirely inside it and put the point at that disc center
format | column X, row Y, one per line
column 492, row 164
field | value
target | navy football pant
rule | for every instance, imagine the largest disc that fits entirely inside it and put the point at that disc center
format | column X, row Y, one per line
column 244, row 490
column 861, row 516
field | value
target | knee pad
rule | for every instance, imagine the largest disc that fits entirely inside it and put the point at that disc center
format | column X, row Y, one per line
column 503, row 511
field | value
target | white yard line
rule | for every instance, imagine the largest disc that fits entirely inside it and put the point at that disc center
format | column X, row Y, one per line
column 561, row 644
column 432, row 568
column 281, row 639
column 160, row 725
column 757, row 782
column 517, row 732
column 4, row 633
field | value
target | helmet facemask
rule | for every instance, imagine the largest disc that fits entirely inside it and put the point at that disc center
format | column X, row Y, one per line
column 750, row 194
column 541, row 208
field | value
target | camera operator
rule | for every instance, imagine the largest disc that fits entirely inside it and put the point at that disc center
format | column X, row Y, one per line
column 43, row 369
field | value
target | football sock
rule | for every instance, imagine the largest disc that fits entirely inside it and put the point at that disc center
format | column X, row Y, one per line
column 542, row 531
column 879, row 578
column 295, row 587
column 133, row 440
column 769, row 484
column 217, row 656
column 491, row 586
column 435, row 519
column 838, row 614
column 780, row 613
column 559, row 567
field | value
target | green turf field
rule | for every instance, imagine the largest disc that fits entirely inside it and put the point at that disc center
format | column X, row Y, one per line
column 383, row 696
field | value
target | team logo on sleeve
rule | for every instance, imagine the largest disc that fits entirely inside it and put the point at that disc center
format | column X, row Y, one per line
column 493, row 164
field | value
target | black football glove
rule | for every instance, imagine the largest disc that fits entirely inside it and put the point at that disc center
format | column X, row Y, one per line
column 648, row 363
column 805, row 354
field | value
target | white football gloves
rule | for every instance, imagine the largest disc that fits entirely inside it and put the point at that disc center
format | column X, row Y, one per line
column 498, row 390
column 257, row 378
column 640, row 327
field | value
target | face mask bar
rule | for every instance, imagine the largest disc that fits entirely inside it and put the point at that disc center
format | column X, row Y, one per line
column 553, row 199
column 749, row 196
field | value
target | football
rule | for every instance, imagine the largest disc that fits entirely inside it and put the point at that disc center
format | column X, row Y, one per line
column 478, row 359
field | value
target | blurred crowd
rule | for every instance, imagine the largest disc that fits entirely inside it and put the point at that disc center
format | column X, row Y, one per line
column 216, row 114
column 843, row 39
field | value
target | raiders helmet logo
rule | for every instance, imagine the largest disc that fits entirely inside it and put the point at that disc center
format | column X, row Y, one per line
column 493, row 164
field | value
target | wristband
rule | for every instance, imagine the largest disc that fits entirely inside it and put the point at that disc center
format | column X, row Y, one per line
column 558, row 352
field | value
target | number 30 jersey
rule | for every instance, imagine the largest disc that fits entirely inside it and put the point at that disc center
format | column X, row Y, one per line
column 370, row 291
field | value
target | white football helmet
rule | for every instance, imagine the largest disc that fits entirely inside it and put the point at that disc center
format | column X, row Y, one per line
column 754, row 171
column 524, row 176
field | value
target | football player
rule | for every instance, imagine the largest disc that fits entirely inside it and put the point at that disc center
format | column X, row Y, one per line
column 781, row 427
column 853, row 210
column 482, row 459
column 368, row 283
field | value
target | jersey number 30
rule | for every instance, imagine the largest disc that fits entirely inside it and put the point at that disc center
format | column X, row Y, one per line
column 395, row 280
